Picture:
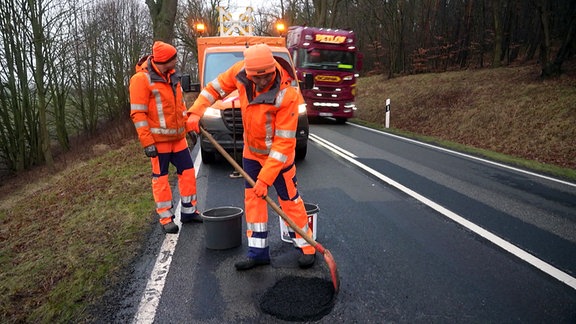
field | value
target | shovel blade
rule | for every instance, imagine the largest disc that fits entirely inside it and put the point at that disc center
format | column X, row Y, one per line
column 333, row 270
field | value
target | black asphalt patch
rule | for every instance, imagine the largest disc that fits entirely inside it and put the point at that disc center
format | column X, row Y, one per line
column 299, row 299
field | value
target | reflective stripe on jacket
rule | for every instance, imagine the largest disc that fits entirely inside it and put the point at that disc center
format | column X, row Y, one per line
column 156, row 105
column 270, row 118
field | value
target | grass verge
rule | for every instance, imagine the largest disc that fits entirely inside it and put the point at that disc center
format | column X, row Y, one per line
column 65, row 237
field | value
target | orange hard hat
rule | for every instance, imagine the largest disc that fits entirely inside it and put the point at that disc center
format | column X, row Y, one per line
column 258, row 59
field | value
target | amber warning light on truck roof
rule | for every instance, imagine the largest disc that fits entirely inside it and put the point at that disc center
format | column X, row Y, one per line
column 200, row 28
column 280, row 28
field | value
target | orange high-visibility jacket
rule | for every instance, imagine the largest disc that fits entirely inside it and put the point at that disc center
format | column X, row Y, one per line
column 156, row 104
column 270, row 118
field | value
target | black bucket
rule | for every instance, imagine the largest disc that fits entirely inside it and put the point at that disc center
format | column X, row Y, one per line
column 223, row 226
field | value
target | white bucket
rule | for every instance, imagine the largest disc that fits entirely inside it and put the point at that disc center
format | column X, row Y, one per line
column 312, row 212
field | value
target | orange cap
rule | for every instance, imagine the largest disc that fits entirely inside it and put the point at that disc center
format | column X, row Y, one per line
column 163, row 52
column 258, row 59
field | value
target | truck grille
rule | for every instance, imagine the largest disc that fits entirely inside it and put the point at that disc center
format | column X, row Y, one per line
column 233, row 119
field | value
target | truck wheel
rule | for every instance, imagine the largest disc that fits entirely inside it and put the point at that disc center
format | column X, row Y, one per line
column 208, row 157
column 301, row 152
column 341, row 120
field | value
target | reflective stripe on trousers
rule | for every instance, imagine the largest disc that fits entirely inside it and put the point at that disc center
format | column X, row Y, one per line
column 177, row 153
column 257, row 210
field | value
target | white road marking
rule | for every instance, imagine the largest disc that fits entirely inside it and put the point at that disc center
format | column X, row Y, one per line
column 507, row 246
column 332, row 146
column 151, row 297
column 467, row 156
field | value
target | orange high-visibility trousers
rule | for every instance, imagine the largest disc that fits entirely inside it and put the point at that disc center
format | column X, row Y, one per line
column 177, row 153
column 257, row 210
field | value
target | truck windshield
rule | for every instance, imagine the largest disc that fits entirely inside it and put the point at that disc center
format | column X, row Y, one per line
column 325, row 59
column 217, row 63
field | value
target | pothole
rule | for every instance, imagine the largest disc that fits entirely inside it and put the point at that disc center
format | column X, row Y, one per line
column 299, row 299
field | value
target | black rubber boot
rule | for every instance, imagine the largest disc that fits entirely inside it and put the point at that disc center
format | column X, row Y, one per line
column 250, row 263
column 170, row 228
column 189, row 218
column 305, row 261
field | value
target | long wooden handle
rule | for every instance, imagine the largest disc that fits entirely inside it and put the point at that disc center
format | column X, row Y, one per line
column 327, row 254
column 269, row 200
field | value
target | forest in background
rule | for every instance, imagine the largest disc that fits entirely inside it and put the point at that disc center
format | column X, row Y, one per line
column 65, row 65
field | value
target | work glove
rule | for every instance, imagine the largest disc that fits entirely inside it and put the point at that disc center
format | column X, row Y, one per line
column 192, row 124
column 260, row 189
column 151, row 151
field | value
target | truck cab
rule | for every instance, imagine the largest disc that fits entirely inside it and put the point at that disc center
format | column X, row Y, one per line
column 331, row 56
column 223, row 120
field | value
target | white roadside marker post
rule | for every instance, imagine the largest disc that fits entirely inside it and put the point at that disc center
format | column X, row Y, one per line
column 388, row 113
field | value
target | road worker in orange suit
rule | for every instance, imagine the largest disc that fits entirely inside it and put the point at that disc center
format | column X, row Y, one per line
column 159, row 115
column 269, row 106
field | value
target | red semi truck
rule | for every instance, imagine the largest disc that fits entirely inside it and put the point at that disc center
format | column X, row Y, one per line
column 331, row 56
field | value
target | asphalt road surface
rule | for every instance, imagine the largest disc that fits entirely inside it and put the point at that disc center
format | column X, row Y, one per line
column 419, row 235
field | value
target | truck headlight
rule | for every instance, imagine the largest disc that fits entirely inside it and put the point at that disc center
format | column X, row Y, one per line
column 212, row 112
column 301, row 108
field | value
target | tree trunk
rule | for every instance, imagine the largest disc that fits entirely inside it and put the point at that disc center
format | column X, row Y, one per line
column 497, row 55
column 163, row 14
column 320, row 13
column 554, row 68
column 465, row 40
column 36, row 15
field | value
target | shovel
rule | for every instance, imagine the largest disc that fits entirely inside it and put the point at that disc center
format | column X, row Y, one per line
column 327, row 255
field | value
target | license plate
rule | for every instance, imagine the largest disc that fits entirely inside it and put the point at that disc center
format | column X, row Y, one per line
column 325, row 114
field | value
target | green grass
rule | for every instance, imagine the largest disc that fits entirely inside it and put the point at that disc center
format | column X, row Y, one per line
column 63, row 242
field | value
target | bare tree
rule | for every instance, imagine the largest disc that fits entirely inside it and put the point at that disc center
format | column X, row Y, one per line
column 163, row 14
column 86, row 35
column 37, row 13
column 58, row 82
column 117, row 55
column 498, row 32
column 109, row 38
column 190, row 14
column 28, row 31
column 16, row 92
column 552, row 66
column 464, row 39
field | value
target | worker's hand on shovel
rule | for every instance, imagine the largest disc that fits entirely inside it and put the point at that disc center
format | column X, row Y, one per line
column 260, row 189
column 192, row 123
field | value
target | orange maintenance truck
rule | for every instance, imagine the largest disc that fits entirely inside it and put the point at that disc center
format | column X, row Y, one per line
column 223, row 120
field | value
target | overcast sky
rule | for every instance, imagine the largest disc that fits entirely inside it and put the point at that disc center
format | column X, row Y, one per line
column 242, row 4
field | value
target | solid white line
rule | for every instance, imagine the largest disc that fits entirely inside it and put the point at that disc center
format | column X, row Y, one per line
column 507, row 246
column 151, row 297
column 319, row 139
column 466, row 155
